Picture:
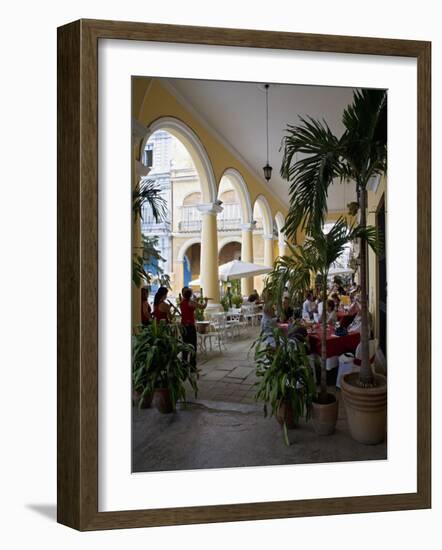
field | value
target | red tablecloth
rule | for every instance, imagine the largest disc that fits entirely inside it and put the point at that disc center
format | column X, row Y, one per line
column 336, row 345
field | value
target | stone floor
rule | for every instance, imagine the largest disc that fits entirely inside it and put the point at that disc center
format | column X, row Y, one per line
column 211, row 434
column 224, row 427
column 229, row 375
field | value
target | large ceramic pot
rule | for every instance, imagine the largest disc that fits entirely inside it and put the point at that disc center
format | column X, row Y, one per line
column 325, row 415
column 285, row 414
column 161, row 400
column 366, row 408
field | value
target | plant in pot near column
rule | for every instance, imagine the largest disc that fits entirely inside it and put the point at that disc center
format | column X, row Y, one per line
column 320, row 251
column 358, row 155
column 286, row 382
column 161, row 365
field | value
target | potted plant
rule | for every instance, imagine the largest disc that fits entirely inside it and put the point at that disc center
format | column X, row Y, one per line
column 160, row 367
column 286, row 382
column 237, row 300
column 358, row 155
column 320, row 252
column 225, row 303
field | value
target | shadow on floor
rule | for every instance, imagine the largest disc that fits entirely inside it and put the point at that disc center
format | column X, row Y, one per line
column 48, row 511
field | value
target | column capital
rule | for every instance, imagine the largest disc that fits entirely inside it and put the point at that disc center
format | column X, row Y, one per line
column 248, row 226
column 212, row 208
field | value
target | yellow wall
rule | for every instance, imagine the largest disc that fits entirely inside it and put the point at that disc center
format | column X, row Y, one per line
column 159, row 102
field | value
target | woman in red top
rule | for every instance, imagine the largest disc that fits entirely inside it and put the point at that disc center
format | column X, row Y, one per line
column 161, row 310
column 188, row 307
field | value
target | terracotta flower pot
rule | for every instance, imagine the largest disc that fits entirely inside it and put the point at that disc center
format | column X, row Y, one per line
column 325, row 415
column 161, row 401
column 366, row 409
column 285, row 414
column 147, row 400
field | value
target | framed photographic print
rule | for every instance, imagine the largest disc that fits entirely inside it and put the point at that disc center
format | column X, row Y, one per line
column 232, row 207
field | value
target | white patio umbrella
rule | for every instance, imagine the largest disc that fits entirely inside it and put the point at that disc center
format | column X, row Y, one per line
column 340, row 271
column 236, row 270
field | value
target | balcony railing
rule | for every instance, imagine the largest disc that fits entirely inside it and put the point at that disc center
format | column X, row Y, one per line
column 189, row 226
column 228, row 220
column 151, row 226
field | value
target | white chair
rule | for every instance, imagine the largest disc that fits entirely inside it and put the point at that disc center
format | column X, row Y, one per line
column 251, row 313
column 236, row 320
column 217, row 332
column 332, row 362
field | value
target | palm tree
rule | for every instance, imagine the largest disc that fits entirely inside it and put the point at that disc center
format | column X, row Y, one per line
column 146, row 192
column 290, row 274
column 320, row 251
column 358, row 155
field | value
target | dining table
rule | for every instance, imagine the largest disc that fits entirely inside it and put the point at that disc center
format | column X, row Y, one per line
column 335, row 345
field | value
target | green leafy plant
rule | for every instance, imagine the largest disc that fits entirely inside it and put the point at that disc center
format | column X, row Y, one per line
column 225, row 302
column 284, row 376
column 147, row 192
column 199, row 312
column 158, row 361
column 318, row 254
column 147, row 254
column 359, row 154
column 290, row 274
column 237, row 300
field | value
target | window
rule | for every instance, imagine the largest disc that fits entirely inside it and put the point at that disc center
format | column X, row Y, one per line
column 148, row 155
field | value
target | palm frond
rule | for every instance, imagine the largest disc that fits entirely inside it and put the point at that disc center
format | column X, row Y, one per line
column 364, row 141
column 291, row 271
column 311, row 175
column 147, row 192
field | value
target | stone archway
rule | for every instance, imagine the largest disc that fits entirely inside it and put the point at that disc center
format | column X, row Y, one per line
column 195, row 148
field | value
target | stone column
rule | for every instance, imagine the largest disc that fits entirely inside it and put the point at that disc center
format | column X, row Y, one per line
column 178, row 270
column 268, row 250
column 247, row 255
column 209, row 254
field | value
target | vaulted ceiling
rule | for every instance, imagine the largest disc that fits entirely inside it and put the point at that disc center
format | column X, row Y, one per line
column 235, row 111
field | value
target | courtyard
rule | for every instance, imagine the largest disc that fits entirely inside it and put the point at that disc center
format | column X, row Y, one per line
column 225, row 427
column 259, row 216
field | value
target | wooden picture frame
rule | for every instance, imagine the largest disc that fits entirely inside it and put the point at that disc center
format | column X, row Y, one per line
column 78, row 274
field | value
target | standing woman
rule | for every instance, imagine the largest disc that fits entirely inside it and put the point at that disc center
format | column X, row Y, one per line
column 161, row 310
column 188, row 307
column 146, row 310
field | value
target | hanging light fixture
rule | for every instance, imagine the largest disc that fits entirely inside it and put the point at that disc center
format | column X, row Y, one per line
column 267, row 168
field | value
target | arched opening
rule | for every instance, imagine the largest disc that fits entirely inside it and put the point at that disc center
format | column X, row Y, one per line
column 230, row 218
column 180, row 168
column 232, row 179
column 229, row 251
column 195, row 149
column 191, row 263
column 262, row 238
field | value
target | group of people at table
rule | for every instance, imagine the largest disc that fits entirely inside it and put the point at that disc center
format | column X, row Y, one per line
column 342, row 311
column 343, row 320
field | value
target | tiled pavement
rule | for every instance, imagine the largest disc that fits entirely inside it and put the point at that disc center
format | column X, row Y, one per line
column 228, row 375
